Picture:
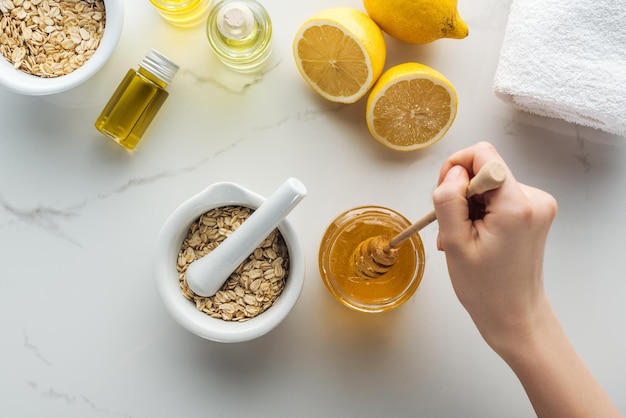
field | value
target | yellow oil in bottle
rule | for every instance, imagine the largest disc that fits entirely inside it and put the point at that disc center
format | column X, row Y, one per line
column 338, row 269
column 183, row 13
column 240, row 34
column 136, row 101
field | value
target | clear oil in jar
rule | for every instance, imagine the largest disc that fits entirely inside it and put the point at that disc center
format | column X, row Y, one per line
column 136, row 101
column 240, row 34
column 182, row 13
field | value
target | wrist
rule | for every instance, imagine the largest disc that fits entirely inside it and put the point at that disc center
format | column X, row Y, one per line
column 518, row 338
column 554, row 377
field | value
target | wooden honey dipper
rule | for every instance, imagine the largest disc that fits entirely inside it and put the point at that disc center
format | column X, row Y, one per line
column 376, row 255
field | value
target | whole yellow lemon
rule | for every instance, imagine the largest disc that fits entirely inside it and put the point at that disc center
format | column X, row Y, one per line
column 418, row 21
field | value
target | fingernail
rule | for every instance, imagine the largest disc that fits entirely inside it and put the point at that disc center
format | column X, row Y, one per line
column 455, row 171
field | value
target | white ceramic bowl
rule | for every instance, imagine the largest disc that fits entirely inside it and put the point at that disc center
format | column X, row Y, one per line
column 182, row 310
column 20, row 82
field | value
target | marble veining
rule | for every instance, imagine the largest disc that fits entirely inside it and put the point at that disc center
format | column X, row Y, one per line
column 245, row 82
column 86, row 335
column 35, row 350
column 582, row 154
column 73, row 401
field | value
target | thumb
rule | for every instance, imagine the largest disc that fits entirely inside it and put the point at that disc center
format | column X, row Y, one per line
column 452, row 208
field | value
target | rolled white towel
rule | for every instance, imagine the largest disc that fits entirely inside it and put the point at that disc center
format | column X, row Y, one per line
column 566, row 59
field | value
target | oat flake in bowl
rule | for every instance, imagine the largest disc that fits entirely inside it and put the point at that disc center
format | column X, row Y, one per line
column 167, row 277
column 50, row 38
column 256, row 284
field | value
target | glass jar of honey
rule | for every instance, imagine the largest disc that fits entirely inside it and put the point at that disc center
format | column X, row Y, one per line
column 338, row 267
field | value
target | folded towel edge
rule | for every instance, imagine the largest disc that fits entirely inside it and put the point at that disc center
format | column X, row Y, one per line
column 532, row 105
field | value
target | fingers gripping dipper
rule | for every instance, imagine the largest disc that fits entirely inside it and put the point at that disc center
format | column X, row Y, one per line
column 376, row 255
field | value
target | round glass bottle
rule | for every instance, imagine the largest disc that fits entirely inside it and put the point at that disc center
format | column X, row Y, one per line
column 240, row 34
column 183, row 13
column 338, row 270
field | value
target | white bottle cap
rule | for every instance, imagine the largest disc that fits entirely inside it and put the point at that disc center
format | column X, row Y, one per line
column 159, row 65
column 235, row 20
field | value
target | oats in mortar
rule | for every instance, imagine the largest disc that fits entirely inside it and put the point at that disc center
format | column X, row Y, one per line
column 254, row 286
column 50, row 38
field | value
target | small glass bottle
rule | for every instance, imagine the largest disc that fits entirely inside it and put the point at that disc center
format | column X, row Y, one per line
column 338, row 268
column 137, row 99
column 182, row 13
column 240, row 34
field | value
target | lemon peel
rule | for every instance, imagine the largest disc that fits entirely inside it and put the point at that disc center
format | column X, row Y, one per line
column 418, row 21
column 340, row 53
column 411, row 107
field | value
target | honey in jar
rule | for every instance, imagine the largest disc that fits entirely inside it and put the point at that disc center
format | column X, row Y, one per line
column 338, row 268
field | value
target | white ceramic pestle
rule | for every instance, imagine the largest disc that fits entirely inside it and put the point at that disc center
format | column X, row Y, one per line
column 206, row 275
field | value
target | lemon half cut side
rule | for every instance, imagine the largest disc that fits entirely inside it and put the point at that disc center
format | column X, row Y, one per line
column 340, row 53
column 411, row 107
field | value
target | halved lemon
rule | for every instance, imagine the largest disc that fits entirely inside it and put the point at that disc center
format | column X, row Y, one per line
column 412, row 106
column 340, row 53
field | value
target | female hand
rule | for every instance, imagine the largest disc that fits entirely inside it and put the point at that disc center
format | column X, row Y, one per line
column 494, row 254
column 495, row 261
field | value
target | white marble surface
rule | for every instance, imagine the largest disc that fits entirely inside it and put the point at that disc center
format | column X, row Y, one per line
column 85, row 334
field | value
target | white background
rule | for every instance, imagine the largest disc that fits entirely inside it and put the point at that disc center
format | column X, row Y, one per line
column 84, row 333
